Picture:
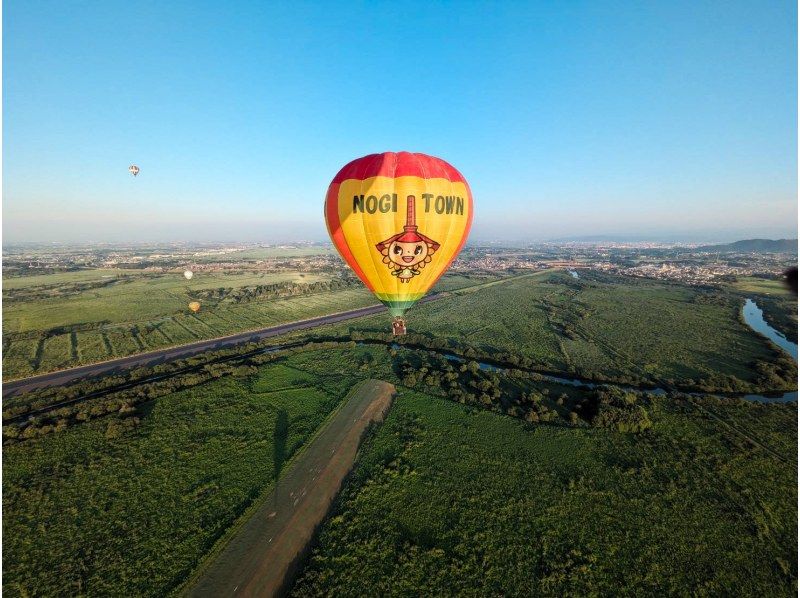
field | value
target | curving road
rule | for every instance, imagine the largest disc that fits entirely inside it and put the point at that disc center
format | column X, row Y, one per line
column 152, row 358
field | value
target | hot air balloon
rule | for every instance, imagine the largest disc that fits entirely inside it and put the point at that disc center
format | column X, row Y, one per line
column 188, row 274
column 133, row 169
column 194, row 306
column 398, row 220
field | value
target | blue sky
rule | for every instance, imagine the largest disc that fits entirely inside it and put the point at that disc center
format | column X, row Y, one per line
column 651, row 119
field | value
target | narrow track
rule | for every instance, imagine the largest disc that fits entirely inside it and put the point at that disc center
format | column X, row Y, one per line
column 263, row 552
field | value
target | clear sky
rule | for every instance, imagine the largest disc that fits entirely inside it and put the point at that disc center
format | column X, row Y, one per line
column 652, row 119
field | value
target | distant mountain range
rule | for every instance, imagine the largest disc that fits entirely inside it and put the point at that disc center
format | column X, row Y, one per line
column 754, row 246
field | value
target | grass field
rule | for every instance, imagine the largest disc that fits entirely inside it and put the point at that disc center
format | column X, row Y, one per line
column 762, row 286
column 133, row 299
column 21, row 282
column 447, row 500
column 444, row 493
column 90, row 511
column 297, row 505
column 598, row 325
column 143, row 312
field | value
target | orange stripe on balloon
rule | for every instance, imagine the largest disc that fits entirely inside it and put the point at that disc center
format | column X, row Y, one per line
column 399, row 164
column 335, row 231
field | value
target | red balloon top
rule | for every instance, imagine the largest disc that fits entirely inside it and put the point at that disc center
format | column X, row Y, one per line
column 391, row 164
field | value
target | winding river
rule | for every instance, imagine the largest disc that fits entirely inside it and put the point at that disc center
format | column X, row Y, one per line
column 754, row 318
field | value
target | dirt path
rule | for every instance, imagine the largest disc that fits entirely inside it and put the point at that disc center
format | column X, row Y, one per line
column 261, row 559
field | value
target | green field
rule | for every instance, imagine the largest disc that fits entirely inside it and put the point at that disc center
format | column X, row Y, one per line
column 445, row 493
column 20, row 282
column 764, row 286
column 61, row 320
column 59, row 324
column 296, row 506
column 132, row 299
column 446, row 500
column 129, row 505
column 601, row 327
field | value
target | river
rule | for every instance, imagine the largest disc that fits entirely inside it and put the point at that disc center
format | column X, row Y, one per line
column 754, row 318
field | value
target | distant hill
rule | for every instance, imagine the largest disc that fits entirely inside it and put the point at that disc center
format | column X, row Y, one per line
column 754, row 245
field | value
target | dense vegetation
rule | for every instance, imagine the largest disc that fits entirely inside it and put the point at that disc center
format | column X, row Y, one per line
column 602, row 328
column 780, row 312
column 486, row 480
column 66, row 319
column 277, row 290
column 128, row 503
column 59, row 328
column 449, row 500
column 559, row 471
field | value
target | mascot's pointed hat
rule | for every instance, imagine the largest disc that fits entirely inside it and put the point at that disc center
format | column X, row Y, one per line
column 409, row 234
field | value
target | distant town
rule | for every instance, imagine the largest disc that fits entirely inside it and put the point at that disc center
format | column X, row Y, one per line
column 691, row 264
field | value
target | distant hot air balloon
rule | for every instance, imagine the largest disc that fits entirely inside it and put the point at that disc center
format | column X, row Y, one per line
column 188, row 274
column 194, row 306
column 133, row 169
column 398, row 220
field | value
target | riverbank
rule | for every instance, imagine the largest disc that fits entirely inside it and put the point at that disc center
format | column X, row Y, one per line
column 753, row 316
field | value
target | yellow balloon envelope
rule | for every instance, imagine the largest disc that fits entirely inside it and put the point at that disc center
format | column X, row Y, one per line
column 194, row 306
column 399, row 220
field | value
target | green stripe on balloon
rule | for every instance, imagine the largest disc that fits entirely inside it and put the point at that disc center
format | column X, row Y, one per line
column 398, row 308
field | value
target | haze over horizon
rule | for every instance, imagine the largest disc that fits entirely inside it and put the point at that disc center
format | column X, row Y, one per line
column 664, row 122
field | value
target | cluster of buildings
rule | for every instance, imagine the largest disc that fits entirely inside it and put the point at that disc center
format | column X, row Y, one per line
column 687, row 273
column 678, row 263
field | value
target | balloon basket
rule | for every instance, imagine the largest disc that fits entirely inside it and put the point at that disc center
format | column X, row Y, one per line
column 398, row 327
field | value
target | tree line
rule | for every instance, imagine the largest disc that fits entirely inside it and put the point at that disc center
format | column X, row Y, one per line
column 44, row 411
column 276, row 290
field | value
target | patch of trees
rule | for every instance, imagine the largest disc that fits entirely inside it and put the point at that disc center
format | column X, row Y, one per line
column 272, row 291
column 778, row 374
column 502, row 359
column 121, row 404
column 54, row 409
column 468, row 384
column 618, row 410
column 59, row 290
column 706, row 296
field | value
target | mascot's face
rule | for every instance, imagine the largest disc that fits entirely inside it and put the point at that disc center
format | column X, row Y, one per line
column 408, row 254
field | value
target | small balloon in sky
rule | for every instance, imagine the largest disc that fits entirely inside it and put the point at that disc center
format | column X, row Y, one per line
column 133, row 169
column 194, row 306
column 188, row 274
column 398, row 220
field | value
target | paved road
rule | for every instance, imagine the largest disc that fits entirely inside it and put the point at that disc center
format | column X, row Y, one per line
column 163, row 355
column 263, row 556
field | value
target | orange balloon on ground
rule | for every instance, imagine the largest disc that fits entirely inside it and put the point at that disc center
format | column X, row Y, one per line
column 194, row 306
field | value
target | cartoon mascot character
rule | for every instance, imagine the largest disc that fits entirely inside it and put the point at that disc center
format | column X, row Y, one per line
column 407, row 253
